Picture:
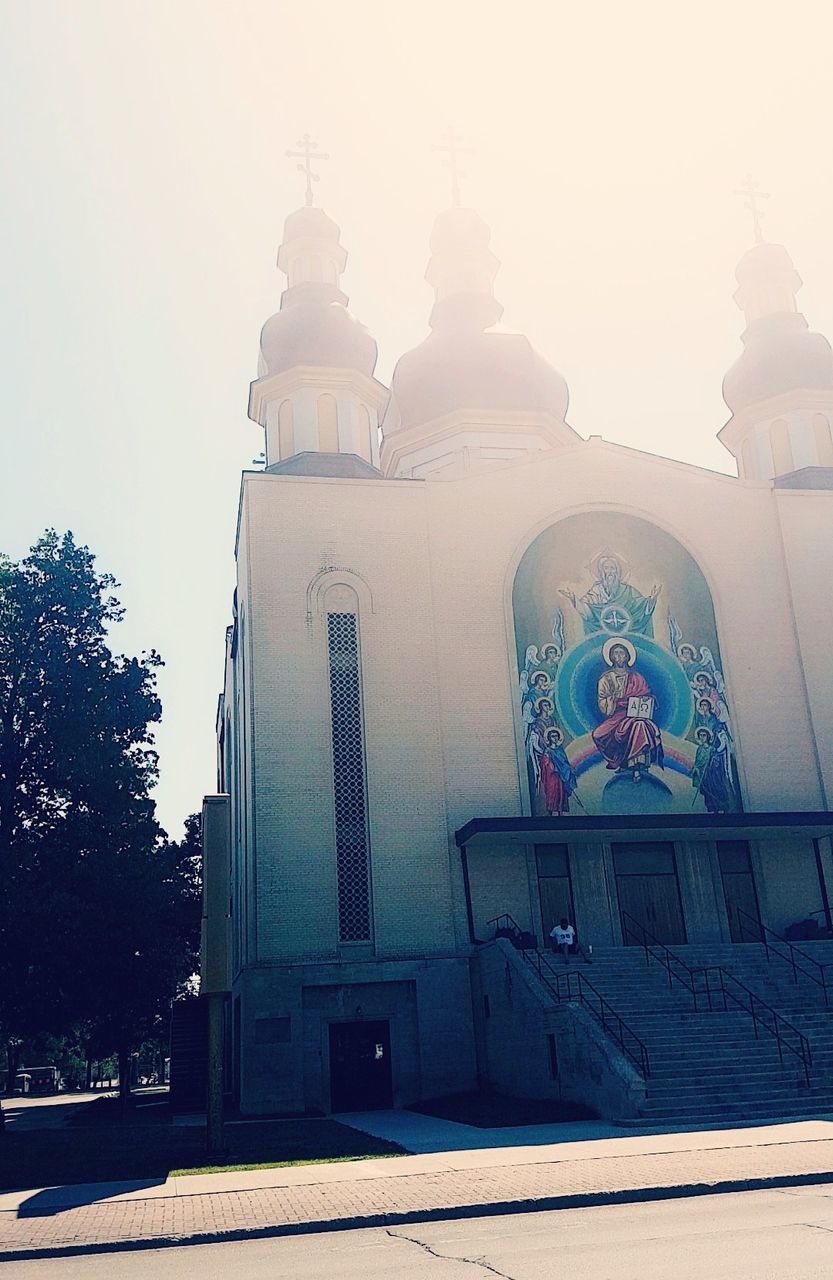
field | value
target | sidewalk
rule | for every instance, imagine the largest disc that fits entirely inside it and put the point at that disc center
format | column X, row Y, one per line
column 384, row 1192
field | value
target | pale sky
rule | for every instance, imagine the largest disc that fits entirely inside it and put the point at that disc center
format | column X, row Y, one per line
column 145, row 188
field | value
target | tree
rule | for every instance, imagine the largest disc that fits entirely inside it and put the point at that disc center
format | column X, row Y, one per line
column 85, row 876
column 186, row 886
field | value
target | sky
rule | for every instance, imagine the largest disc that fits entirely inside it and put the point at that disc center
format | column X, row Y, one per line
column 144, row 188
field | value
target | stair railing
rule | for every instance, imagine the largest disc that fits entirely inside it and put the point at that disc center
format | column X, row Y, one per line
column 677, row 969
column 797, row 959
column 714, row 981
column 763, row 1015
column 575, row 988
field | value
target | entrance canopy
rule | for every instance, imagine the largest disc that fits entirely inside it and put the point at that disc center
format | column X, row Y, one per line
column 481, row 833
column 494, row 837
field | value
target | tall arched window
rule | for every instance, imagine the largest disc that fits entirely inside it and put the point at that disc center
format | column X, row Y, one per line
column 824, row 443
column 327, row 424
column 782, row 453
column 286, row 430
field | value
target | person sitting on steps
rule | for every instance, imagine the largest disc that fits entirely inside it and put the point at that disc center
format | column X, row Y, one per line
column 565, row 940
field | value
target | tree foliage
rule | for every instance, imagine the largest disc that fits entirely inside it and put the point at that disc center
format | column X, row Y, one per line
column 95, row 900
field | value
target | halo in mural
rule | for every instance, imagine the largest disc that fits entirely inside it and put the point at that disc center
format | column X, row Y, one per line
column 618, row 650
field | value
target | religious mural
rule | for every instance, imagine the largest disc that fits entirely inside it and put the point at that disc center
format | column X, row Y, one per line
column 622, row 696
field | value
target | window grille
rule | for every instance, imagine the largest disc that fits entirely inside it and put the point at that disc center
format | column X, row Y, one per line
column 352, row 846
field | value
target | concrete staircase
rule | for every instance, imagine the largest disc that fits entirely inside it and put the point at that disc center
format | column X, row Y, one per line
column 708, row 1067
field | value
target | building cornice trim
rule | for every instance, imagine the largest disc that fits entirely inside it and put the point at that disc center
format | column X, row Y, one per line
column 396, row 446
column 733, row 431
column 318, row 377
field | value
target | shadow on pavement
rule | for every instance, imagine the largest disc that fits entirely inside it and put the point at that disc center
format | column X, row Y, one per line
column 52, row 1200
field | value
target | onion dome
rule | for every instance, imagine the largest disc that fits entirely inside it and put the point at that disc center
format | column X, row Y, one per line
column 780, row 353
column 465, row 362
column 313, row 326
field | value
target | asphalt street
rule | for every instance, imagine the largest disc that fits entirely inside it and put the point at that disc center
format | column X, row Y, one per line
column 785, row 1235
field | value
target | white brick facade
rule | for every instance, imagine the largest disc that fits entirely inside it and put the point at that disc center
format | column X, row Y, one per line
column 429, row 567
column 477, row 462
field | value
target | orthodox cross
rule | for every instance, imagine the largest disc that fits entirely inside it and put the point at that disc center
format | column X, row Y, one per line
column 307, row 153
column 453, row 150
column 752, row 193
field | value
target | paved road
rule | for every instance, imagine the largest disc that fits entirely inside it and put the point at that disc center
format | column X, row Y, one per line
column 50, row 1112
column 54, row 1111
column 759, row 1235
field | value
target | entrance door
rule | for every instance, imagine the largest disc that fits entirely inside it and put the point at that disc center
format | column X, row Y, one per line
column 554, row 887
column 646, row 883
column 739, row 890
column 360, row 1066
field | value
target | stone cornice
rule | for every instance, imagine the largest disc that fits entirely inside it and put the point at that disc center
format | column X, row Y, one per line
column 399, row 443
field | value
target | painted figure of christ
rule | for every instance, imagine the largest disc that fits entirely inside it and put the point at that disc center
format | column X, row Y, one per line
column 627, row 741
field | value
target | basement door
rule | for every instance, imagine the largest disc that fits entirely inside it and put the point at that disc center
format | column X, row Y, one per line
column 648, row 891
column 360, row 1066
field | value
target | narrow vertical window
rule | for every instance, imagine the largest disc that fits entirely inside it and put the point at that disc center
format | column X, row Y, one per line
column 352, row 844
column 327, row 424
column 746, row 460
column 782, row 454
column 824, row 443
column 286, row 430
column 365, row 434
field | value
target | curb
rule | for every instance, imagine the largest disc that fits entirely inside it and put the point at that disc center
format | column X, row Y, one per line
column 585, row 1200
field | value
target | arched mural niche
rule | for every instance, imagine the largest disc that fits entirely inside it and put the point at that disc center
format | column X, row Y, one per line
column 622, row 695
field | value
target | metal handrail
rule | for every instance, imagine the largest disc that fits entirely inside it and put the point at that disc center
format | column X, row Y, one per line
column 571, row 987
column 764, row 932
column 676, row 968
column 507, row 923
column 727, row 988
column 759, row 1009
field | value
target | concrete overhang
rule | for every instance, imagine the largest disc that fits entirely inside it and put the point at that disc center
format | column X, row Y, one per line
column 484, row 833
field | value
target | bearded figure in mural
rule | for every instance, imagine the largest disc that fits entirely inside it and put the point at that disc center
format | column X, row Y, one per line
column 628, row 738
column 612, row 604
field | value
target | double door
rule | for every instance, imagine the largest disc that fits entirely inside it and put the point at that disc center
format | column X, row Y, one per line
column 648, row 892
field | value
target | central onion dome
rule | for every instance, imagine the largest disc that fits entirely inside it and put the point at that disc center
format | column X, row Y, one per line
column 780, row 352
column 313, row 326
column 465, row 362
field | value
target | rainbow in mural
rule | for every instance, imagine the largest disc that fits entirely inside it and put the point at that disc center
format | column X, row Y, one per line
column 622, row 697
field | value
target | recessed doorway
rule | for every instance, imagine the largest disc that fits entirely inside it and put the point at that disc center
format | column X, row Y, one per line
column 554, row 887
column 739, row 890
column 649, row 894
column 360, row 1066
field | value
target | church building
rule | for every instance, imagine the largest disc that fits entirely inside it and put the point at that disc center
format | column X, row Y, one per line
column 484, row 674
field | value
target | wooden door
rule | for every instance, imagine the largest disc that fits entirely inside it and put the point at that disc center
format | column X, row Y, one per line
column 556, row 903
column 740, row 895
column 654, row 902
column 739, row 890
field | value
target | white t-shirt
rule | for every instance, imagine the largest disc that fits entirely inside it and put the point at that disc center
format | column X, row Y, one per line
column 561, row 936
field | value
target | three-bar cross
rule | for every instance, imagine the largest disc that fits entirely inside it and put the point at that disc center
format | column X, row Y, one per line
column 752, row 194
column 307, row 153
